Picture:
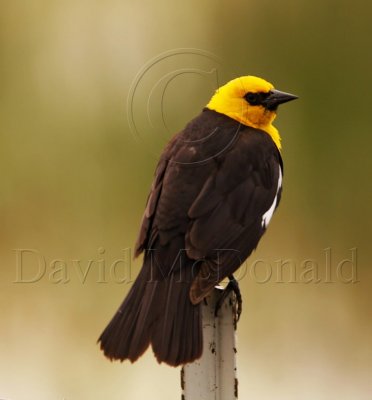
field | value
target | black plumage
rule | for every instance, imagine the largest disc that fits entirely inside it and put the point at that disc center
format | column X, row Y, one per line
column 213, row 184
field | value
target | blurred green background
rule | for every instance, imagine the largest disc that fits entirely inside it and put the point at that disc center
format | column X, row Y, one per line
column 75, row 180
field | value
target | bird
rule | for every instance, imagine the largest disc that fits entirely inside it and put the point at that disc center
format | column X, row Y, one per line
column 214, row 192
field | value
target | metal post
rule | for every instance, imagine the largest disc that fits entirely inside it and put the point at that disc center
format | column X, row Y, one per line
column 214, row 375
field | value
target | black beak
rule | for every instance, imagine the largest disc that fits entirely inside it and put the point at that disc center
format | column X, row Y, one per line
column 277, row 97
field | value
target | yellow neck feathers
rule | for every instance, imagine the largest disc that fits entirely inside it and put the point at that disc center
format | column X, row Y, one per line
column 229, row 100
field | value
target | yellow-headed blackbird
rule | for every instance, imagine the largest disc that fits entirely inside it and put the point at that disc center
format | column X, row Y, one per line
column 215, row 190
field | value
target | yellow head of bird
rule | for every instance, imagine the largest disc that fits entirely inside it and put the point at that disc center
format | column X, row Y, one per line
column 251, row 101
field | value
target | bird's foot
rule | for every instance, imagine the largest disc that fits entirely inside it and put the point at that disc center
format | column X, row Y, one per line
column 232, row 286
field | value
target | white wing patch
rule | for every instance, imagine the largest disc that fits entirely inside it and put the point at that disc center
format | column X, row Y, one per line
column 269, row 213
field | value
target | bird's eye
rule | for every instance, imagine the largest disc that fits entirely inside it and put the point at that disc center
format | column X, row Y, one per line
column 252, row 98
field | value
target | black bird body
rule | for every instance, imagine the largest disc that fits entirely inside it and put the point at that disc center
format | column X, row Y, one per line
column 215, row 188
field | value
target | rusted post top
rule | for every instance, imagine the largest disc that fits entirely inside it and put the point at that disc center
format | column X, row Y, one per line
column 214, row 375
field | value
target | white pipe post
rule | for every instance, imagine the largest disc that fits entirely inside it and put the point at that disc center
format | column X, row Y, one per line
column 214, row 375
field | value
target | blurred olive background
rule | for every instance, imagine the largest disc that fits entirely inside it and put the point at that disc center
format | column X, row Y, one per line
column 75, row 178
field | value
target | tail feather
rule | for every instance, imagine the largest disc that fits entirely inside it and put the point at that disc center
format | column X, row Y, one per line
column 159, row 313
column 127, row 335
column 177, row 338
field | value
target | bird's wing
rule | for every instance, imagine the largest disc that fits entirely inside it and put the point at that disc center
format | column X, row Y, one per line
column 233, row 209
column 144, row 236
column 184, row 167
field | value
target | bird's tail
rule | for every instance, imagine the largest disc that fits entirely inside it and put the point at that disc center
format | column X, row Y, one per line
column 157, row 312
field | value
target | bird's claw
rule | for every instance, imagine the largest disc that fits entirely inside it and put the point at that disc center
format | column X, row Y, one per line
column 232, row 286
